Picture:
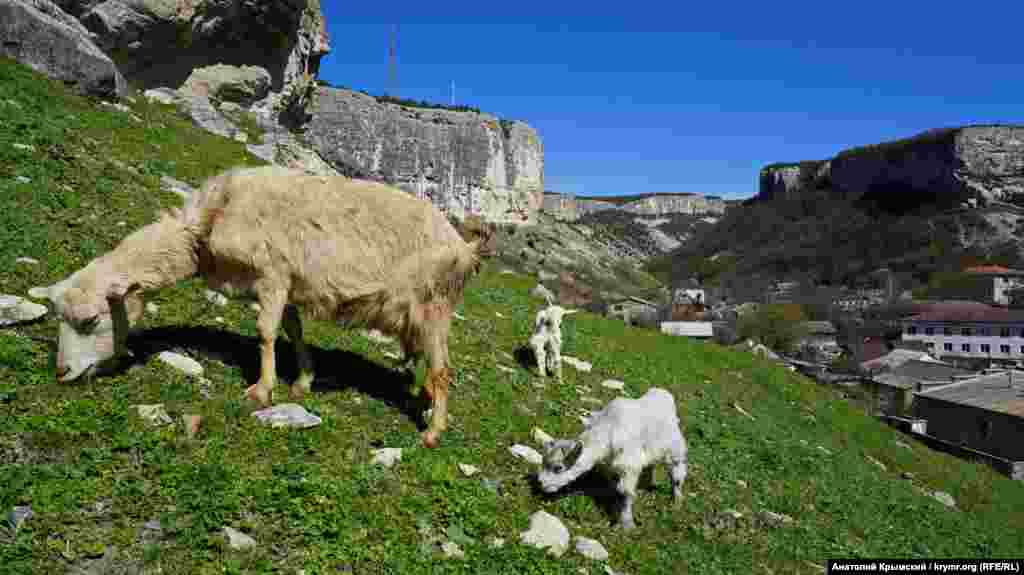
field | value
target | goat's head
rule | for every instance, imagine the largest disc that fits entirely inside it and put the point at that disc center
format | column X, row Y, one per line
column 93, row 324
column 560, row 454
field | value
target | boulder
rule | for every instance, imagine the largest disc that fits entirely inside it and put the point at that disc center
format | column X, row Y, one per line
column 243, row 84
column 546, row 532
column 39, row 34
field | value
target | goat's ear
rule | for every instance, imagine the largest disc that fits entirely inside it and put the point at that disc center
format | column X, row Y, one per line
column 574, row 452
column 119, row 288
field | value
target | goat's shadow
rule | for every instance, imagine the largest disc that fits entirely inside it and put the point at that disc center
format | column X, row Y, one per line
column 524, row 356
column 593, row 484
column 335, row 369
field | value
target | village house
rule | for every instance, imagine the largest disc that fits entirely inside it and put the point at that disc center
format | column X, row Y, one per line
column 999, row 281
column 984, row 414
column 894, row 388
column 970, row 331
column 820, row 338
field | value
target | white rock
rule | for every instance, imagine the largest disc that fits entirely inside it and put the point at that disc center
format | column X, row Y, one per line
column 527, row 453
column 458, row 316
column 613, row 384
column 506, row 369
column 122, row 223
column 154, row 413
column 591, row 549
column 162, row 95
column 497, row 542
column 387, row 456
column 498, row 313
column 181, row 362
column 541, row 437
column 179, row 187
column 238, row 540
column 24, row 147
column 468, row 470
column 218, row 319
column 152, row 308
column 580, row 365
column 26, row 260
column 776, row 518
column 287, row 415
column 377, row 337
column 22, row 180
column 741, row 483
column 944, row 498
column 546, row 532
column 216, row 298
column 15, row 309
column 452, row 551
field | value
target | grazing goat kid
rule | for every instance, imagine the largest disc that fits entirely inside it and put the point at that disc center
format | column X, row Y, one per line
column 546, row 340
column 357, row 252
column 626, row 439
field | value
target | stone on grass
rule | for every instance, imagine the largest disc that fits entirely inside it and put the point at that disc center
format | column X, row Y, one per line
column 580, row 365
column 152, row 308
column 458, row 316
column 24, row 147
column 178, row 187
column 22, row 180
column 452, row 551
column 387, row 456
column 497, row 542
column 287, row 415
column 27, row 261
column 218, row 319
column 468, row 470
column 216, row 298
column 776, row 519
column 613, row 384
column 377, row 337
column 154, row 413
column 238, row 540
column 15, row 309
column 182, row 363
column 498, row 314
column 944, row 498
column 591, row 549
column 546, row 532
column 19, row 515
column 540, row 436
column 526, row 453
column 505, row 369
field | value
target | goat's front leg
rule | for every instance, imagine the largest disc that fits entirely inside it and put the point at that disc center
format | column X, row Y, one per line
column 272, row 307
column 627, row 488
column 678, row 471
column 538, row 344
column 555, row 357
column 293, row 327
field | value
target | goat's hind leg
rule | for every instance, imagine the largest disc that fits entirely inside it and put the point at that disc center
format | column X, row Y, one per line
column 271, row 308
column 627, row 488
column 677, row 468
column 435, row 330
column 293, row 327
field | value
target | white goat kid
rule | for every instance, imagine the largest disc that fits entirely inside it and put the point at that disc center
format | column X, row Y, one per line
column 625, row 439
column 546, row 340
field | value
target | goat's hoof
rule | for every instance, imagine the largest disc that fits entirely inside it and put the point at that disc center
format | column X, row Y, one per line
column 258, row 394
column 431, row 439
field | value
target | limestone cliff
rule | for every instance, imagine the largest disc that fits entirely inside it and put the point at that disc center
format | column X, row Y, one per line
column 665, row 204
column 952, row 165
column 464, row 162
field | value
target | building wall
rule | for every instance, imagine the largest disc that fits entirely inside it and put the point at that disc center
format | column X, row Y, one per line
column 939, row 340
column 997, row 433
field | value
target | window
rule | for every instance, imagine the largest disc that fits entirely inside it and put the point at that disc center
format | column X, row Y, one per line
column 965, row 347
column 982, row 331
column 1022, row 349
column 929, row 331
column 911, row 329
column 947, row 331
column 1004, row 349
column 1004, row 332
column 986, row 348
column 947, row 346
column 930, row 345
column 965, row 331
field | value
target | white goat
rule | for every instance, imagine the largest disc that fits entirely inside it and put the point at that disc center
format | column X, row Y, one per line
column 625, row 439
column 546, row 340
column 358, row 252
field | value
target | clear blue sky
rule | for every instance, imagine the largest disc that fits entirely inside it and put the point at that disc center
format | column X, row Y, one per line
column 634, row 97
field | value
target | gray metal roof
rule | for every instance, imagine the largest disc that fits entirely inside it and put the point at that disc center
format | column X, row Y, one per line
column 991, row 392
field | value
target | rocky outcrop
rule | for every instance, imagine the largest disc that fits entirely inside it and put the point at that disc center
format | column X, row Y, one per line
column 665, row 204
column 464, row 162
column 159, row 43
column 584, row 207
column 950, row 166
column 38, row 34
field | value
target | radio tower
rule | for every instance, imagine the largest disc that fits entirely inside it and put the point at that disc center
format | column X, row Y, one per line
column 392, row 66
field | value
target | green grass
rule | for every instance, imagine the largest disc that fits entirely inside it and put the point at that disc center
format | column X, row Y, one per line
column 94, row 474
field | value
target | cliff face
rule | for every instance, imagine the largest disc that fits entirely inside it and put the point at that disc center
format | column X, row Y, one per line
column 664, row 204
column 463, row 162
column 157, row 43
column 951, row 166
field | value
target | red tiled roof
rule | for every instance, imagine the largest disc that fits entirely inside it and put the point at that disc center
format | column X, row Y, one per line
column 965, row 313
column 992, row 269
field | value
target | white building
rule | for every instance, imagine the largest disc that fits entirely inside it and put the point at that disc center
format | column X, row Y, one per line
column 969, row 331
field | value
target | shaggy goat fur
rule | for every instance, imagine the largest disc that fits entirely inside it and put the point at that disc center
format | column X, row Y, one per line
column 357, row 252
column 546, row 340
column 626, row 439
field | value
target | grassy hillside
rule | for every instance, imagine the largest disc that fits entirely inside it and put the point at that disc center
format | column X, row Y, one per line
column 96, row 477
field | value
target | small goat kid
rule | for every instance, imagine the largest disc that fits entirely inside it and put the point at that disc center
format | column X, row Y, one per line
column 546, row 340
column 358, row 252
column 625, row 439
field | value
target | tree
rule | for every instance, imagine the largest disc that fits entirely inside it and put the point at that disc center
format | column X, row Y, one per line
column 778, row 326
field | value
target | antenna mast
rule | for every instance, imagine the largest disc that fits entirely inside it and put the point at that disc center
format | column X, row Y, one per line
column 392, row 63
